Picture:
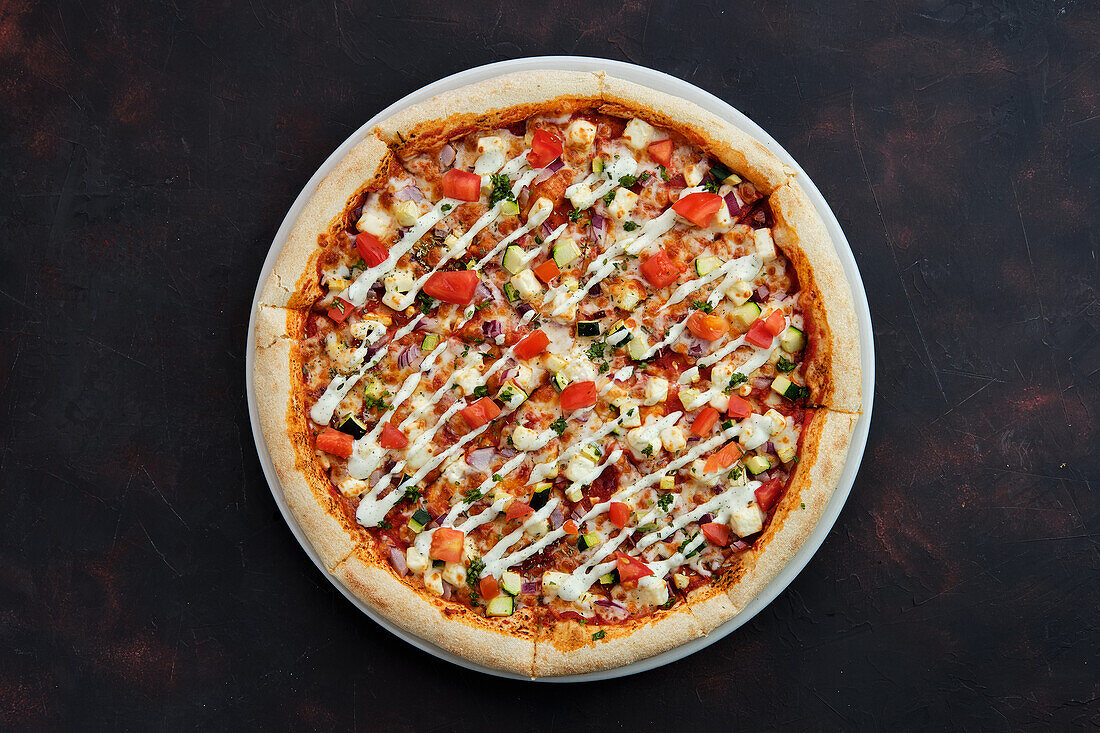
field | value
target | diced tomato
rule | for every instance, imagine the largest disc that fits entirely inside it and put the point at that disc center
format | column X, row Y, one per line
column 759, row 334
column 661, row 151
column 545, row 149
column 578, row 395
column 334, row 442
column 532, row 344
column 489, row 587
column 547, row 271
column 739, row 408
column 619, row 514
column 371, row 249
column 481, row 412
column 661, row 270
column 518, row 509
column 392, row 437
column 707, row 326
column 716, row 534
column 447, row 545
column 461, row 185
column 704, row 421
column 456, row 287
column 768, row 494
column 699, row 208
column 775, row 323
column 724, row 458
column 570, row 527
column 630, row 568
column 340, row 310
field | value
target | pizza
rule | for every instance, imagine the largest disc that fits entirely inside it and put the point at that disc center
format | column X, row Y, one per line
column 557, row 371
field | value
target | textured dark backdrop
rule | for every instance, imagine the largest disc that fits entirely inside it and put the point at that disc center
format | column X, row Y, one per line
column 148, row 152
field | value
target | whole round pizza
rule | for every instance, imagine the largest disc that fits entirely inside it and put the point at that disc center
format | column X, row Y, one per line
column 557, row 371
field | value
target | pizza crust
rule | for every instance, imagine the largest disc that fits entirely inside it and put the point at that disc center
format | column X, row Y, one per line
column 293, row 282
column 489, row 104
column 736, row 149
column 832, row 362
column 567, row 647
column 282, row 419
column 505, row 643
column 562, row 647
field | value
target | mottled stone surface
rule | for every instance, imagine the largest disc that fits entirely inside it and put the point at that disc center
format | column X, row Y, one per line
column 149, row 151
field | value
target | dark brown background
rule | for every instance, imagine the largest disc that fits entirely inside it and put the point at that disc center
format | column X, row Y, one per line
column 149, row 151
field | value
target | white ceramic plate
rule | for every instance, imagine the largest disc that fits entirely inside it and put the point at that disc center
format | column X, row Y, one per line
column 672, row 85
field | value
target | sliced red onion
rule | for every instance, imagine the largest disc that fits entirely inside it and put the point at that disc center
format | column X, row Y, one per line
column 556, row 518
column 483, row 293
column 732, row 204
column 739, row 545
column 506, row 374
column 555, row 166
column 576, row 516
column 762, row 293
column 706, row 518
column 492, row 328
column 426, row 324
column 481, row 458
column 397, row 559
column 409, row 193
column 508, row 452
column 542, row 176
column 377, row 289
column 760, row 382
column 608, row 603
column 547, row 230
column 448, row 590
column 446, row 156
column 407, row 356
column 598, row 222
column 696, row 349
column 524, row 308
column 529, row 586
column 596, row 290
column 769, row 447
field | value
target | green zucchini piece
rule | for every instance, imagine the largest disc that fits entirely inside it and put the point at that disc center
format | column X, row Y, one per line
column 592, row 452
column 511, row 583
column 588, row 328
column 608, row 578
column 757, row 464
column 541, row 495
column 510, row 293
column 514, row 258
column 597, row 165
column 565, row 252
column 792, row 340
column 561, row 381
column 588, row 539
column 502, row 605
column 353, row 426
column 706, row 265
column 744, row 315
column 637, row 347
column 419, row 520
column 509, row 207
column 430, row 342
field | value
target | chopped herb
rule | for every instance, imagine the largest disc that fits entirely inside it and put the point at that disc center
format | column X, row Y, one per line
column 647, row 451
column 385, row 525
column 595, row 351
column 687, row 542
column 803, row 505
column 445, row 208
column 629, row 226
column 609, row 197
column 472, row 495
column 497, row 477
column 575, row 215
column 784, row 365
column 360, row 264
column 702, row 305
column 473, row 573
column 628, row 181
column 425, row 302
column 502, row 189
column 735, row 473
column 798, row 392
column 664, row 501
column 465, row 351
column 412, row 493
column 711, row 185
column 559, row 426
column 664, row 174
column 735, row 380
column 538, row 239
column 599, row 635
column 481, row 391
column 604, row 367
column 374, row 403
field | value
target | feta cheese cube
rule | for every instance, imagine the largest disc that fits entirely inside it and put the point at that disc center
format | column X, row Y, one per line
column 656, row 390
column 353, row 486
column 626, row 294
column 638, row 134
column 739, row 292
column 581, row 133
column 579, row 470
column 624, row 202
column 433, row 581
column 417, row 561
column 629, row 411
column 719, row 401
column 468, row 380
column 492, row 155
column 673, row 438
column 374, row 221
column 651, row 591
column 455, row 573
column 526, row 284
column 692, row 398
column 525, row 439
column 406, row 213
column 694, row 172
column 747, row 520
column 552, row 581
column 511, row 395
column 764, row 244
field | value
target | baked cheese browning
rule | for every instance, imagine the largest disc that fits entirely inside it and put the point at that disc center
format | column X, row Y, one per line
column 558, row 365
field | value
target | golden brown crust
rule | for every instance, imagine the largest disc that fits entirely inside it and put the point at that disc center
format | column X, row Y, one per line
column 501, row 643
column 486, row 105
column 279, row 402
column 738, row 150
column 563, row 647
column 567, row 647
column 832, row 362
column 292, row 284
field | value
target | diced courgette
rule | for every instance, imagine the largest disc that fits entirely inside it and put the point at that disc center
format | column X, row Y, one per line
column 668, row 483
column 541, row 495
column 787, row 388
column 757, row 464
column 502, row 605
column 706, row 265
column 637, row 347
column 561, row 381
column 514, row 258
column 792, row 340
column 608, row 578
column 588, row 539
column 588, row 328
column 419, row 520
column 744, row 315
column 353, row 426
column 592, row 452
column 510, row 293
column 430, row 342
column 509, row 207
column 565, row 252
column 511, row 583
